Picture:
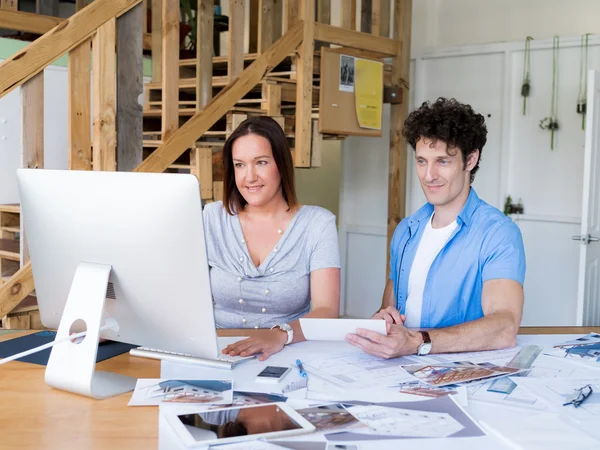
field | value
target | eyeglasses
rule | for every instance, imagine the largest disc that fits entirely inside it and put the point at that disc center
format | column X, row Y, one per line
column 580, row 396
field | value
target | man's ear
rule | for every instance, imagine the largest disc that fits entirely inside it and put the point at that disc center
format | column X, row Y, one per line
column 472, row 160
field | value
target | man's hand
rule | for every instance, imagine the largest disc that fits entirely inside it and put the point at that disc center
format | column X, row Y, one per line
column 400, row 341
column 267, row 342
column 390, row 315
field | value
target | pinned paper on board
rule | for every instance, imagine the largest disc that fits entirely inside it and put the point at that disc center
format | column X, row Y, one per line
column 369, row 93
column 347, row 72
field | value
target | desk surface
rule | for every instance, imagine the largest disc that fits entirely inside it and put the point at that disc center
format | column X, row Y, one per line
column 35, row 416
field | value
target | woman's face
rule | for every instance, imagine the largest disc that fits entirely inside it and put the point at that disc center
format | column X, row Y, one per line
column 256, row 173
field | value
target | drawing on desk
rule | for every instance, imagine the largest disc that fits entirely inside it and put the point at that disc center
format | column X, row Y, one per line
column 330, row 417
column 416, row 388
column 387, row 421
column 458, row 372
column 358, row 370
column 556, row 391
column 152, row 391
column 585, row 349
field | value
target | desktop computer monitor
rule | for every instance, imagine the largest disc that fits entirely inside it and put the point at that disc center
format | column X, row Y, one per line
column 126, row 246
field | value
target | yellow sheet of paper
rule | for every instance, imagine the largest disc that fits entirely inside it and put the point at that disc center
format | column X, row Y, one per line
column 368, row 91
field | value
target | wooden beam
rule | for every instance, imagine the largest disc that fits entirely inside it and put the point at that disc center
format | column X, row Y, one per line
column 277, row 19
column 376, row 18
column 201, row 166
column 291, row 13
column 354, row 39
column 80, row 4
column 46, row 7
column 385, row 18
column 316, row 157
column 235, row 55
column 32, row 95
column 16, row 289
column 399, row 112
column 272, row 105
column 265, row 24
column 130, row 86
column 204, row 53
column 27, row 62
column 348, row 21
column 11, row 5
column 323, row 16
column 104, row 97
column 218, row 191
column 187, row 135
column 233, row 121
column 80, row 140
column 304, row 86
column 27, row 22
column 170, row 67
column 253, row 24
column 156, row 8
column 366, row 10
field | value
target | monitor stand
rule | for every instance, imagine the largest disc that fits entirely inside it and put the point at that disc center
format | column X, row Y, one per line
column 72, row 367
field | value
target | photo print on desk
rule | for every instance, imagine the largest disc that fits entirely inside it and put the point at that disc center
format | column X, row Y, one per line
column 330, row 417
column 154, row 391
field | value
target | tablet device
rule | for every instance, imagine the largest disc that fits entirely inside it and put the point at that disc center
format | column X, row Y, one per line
column 237, row 424
column 337, row 329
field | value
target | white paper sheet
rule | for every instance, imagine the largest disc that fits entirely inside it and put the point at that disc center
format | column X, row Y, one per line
column 337, row 329
column 543, row 367
column 358, row 371
column 557, row 391
column 386, row 421
column 157, row 391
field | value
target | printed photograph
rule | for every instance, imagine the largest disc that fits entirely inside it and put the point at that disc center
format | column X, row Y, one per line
column 330, row 417
column 155, row 392
column 347, row 68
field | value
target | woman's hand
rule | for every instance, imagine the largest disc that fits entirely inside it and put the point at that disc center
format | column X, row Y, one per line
column 267, row 342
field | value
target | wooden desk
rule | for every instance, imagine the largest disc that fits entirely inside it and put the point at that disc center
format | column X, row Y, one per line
column 35, row 416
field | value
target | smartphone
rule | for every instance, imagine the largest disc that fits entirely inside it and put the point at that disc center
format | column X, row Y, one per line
column 272, row 374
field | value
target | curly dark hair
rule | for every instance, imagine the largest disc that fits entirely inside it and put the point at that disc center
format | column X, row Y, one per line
column 451, row 122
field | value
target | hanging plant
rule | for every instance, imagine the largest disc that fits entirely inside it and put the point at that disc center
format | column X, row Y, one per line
column 582, row 93
column 551, row 123
column 526, row 84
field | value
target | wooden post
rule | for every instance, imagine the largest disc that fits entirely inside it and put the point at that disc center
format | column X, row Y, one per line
column 170, row 68
column 291, row 11
column 80, row 140
column 233, row 121
column 323, row 16
column 80, row 4
column 366, row 11
column 265, row 24
column 235, row 55
column 376, row 18
column 129, row 89
column 104, row 97
column 317, row 145
column 304, row 86
column 277, row 19
column 9, row 5
column 399, row 112
column 46, row 7
column 201, row 166
column 204, row 53
column 253, row 23
column 156, row 8
column 385, row 18
column 349, row 14
column 218, row 191
column 272, row 99
column 32, row 95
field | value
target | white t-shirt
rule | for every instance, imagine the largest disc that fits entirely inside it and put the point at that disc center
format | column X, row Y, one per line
column 432, row 241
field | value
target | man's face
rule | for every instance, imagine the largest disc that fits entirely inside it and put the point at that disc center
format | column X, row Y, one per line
column 443, row 175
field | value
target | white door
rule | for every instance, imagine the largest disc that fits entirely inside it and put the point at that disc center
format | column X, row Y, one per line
column 588, row 295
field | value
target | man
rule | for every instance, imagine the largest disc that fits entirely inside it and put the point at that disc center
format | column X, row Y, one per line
column 457, row 265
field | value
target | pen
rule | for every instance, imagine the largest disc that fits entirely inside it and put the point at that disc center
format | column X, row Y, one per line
column 301, row 368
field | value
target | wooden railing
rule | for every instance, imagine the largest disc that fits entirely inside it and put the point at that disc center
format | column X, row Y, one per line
column 103, row 20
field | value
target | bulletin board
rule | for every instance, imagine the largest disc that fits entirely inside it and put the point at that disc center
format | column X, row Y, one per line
column 337, row 98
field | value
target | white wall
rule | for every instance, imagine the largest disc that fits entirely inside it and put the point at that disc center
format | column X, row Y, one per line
column 444, row 23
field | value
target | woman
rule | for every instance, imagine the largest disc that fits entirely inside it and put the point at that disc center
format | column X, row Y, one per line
column 271, row 259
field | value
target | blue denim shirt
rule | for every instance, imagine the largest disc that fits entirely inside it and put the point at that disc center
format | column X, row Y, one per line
column 485, row 245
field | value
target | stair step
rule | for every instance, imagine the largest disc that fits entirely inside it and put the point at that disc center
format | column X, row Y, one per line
column 11, row 229
column 11, row 208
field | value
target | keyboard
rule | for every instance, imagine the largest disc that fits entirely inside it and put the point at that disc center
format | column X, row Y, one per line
column 222, row 361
